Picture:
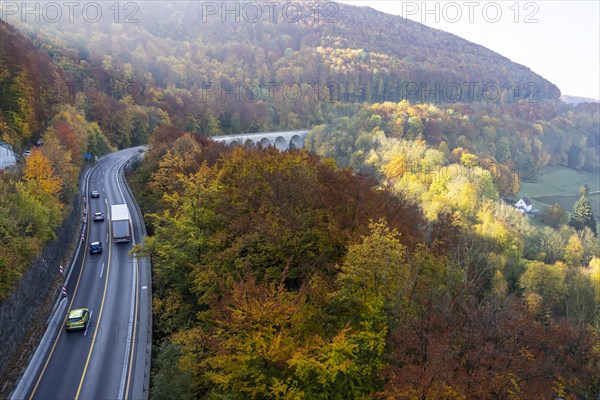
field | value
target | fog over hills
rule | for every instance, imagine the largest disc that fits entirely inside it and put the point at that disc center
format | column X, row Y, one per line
column 577, row 99
column 369, row 55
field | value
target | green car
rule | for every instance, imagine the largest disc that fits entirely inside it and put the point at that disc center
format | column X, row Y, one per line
column 78, row 319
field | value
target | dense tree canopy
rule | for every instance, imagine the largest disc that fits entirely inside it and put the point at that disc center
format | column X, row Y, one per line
column 281, row 275
column 271, row 74
column 290, row 275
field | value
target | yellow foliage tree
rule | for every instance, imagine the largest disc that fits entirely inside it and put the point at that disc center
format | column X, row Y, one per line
column 595, row 277
column 39, row 174
column 574, row 251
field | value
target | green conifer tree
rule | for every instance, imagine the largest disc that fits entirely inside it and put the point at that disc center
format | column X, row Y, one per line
column 582, row 215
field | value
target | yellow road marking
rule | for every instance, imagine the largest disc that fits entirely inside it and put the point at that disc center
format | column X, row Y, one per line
column 87, row 234
column 87, row 361
column 99, row 318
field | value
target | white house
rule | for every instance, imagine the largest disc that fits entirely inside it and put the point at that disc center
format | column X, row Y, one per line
column 7, row 156
column 524, row 205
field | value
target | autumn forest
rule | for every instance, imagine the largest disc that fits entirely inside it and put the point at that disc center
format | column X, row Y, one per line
column 385, row 260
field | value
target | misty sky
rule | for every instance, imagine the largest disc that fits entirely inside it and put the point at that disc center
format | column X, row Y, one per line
column 563, row 45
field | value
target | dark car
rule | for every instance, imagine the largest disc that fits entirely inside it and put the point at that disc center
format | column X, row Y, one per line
column 95, row 248
column 95, row 194
column 98, row 216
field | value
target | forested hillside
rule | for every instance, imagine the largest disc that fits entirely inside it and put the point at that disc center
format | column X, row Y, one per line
column 282, row 276
column 519, row 139
column 179, row 63
column 30, row 88
column 36, row 194
column 180, row 58
column 380, row 262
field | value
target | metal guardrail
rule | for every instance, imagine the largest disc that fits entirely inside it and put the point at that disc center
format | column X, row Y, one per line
column 141, row 377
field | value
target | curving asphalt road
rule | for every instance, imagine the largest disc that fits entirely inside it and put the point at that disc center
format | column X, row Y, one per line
column 109, row 359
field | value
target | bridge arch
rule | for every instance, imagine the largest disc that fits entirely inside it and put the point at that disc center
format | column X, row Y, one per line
column 282, row 140
column 296, row 142
column 281, row 144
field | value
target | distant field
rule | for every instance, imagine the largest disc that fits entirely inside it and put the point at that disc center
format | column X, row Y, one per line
column 561, row 185
column 561, row 181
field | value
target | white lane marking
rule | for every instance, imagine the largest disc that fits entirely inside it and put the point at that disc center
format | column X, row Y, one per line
column 131, row 308
column 106, row 237
column 129, row 331
column 144, row 287
column 118, row 184
column 88, row 323
column 102, row 270
column 85, row 190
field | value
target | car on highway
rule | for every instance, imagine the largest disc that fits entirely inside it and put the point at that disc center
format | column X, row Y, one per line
column 95, row 194
column 98, row 216
column 77, row 319
column 95, row 248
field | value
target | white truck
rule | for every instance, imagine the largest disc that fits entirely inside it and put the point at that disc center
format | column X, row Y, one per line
column 120, row 223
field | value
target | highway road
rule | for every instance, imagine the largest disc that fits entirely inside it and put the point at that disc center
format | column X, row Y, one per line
column 102, row 362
